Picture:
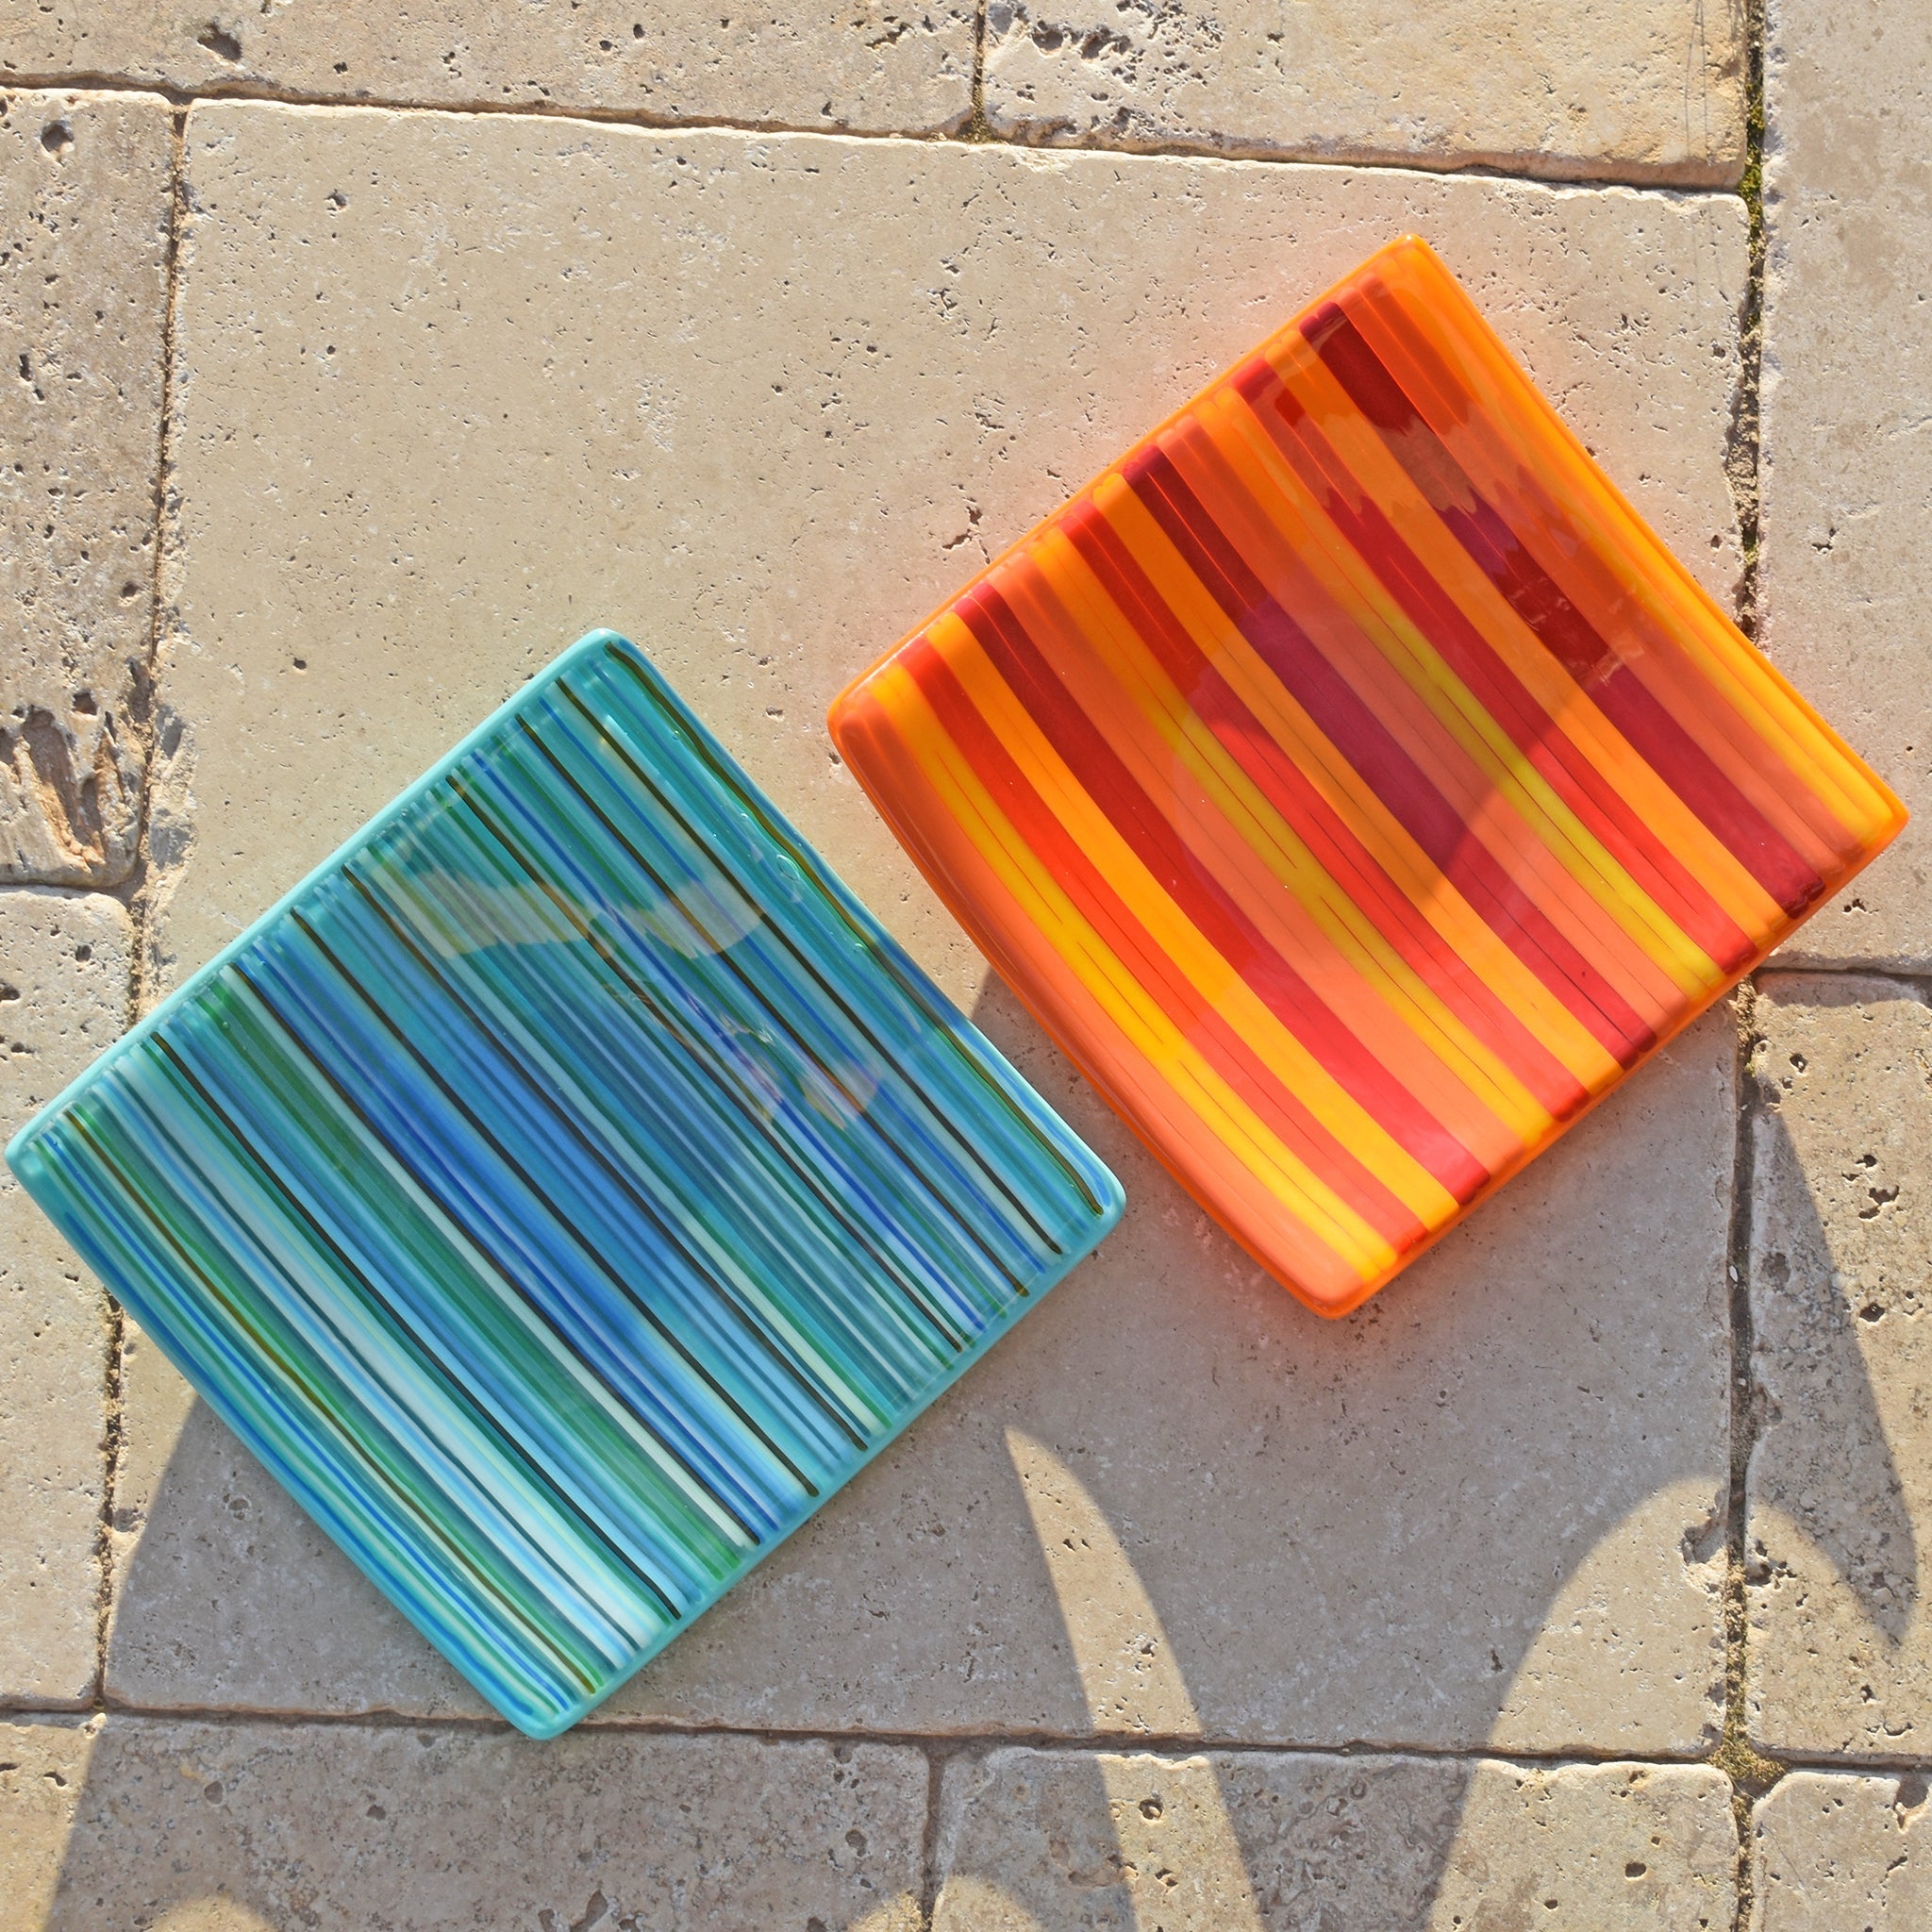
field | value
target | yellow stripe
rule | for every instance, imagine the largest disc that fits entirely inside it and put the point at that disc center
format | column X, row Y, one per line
column 1189, row 950
column 1139, row 1017
column 1240, row 805
column 1811, row 751
column 1492, row 821
column 1708, row 859
column 1353, row 584
column 1435, row 896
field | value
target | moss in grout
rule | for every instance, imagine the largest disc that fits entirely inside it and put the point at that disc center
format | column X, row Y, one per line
column 977, row 127
column 1742, row 455
column 1750, row 1771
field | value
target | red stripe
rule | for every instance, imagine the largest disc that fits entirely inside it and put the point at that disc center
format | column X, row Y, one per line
column 1353, row 729
column 1287, row 995
column 1142, row 954
column 1334, row 845
column 1565, row 632
column 1570, row 773
column 1340, row 853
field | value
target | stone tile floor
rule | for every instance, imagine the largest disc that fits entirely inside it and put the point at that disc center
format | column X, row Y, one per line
column 358, row 359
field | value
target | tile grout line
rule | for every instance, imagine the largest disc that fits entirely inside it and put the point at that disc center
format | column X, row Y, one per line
column 977, row 127
column 139, row 900
column 1743, row 454
column 134, row 895
column 939, row 1748
column 943, row 1745
column 930, row 1874
column 975, row 131
column 1750, row 1772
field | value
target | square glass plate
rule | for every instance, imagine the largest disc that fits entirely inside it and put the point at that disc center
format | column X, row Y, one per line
column 1353, row 785
column 567, row 1187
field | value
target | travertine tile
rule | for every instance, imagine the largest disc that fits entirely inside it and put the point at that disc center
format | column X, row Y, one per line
column 1840, row 1481
column 126, row 1821
column 1832, row 1852
column 868, row 64
column 451, row 390
column 1034, row 1841
column 63, row 996
column 471, row 386
column 1634, row 90
column 1484, row 1512
column 1845, row 464
column 85, row 182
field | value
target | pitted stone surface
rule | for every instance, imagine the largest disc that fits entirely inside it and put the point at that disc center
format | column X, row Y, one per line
column 63, row 997
column 1177, row 1421
column 1845, row 465
column 1635, row 90
column 473, row 385
column 173, row 1825
column 876, row 65
column 760, row 403
column 1840, row 1481
column 1832, row 1851
column 1033, row 1841
column 85, row 182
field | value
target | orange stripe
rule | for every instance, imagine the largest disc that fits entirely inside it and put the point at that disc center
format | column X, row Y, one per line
column 1207, row 766
column 1365, row 817
column 1579, row 544
column 1422, row 1045
column 1306, row 950
column 1341, row 619
column 1547, row 682
column 1191, row 1117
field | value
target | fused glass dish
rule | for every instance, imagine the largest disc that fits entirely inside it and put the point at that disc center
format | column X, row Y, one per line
column 1353, row 785
column 567, row 1187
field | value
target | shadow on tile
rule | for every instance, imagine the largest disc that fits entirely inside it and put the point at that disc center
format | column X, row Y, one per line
column 1859, row 1518
column 1484, row 1513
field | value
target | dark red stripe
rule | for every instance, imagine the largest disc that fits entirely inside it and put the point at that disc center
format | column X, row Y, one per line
column 1368, row 745
column 1564, row 630
column 1287, row 995
column 1533, row 731
column 1141, row 951
column 1328, row 837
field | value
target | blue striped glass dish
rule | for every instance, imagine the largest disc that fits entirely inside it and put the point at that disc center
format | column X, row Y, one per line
column 567, row 1187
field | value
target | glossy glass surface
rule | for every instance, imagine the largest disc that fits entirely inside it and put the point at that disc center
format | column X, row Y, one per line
column 567, row 1187
column 1353, row 785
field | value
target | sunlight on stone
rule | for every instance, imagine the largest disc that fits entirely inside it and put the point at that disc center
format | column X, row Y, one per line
column 47, row 1768
column 216, row 1914
column 1127, row 1670
column 983, row 1906
column 1131, row 1681
column 901, row 1914
column 1178, row 1851
column 1581, row 1665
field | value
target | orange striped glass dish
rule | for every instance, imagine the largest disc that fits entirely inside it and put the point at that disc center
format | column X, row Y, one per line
column 1353, row 785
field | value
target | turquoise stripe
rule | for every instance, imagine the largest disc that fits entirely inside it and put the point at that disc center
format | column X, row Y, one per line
column 567, row 1187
